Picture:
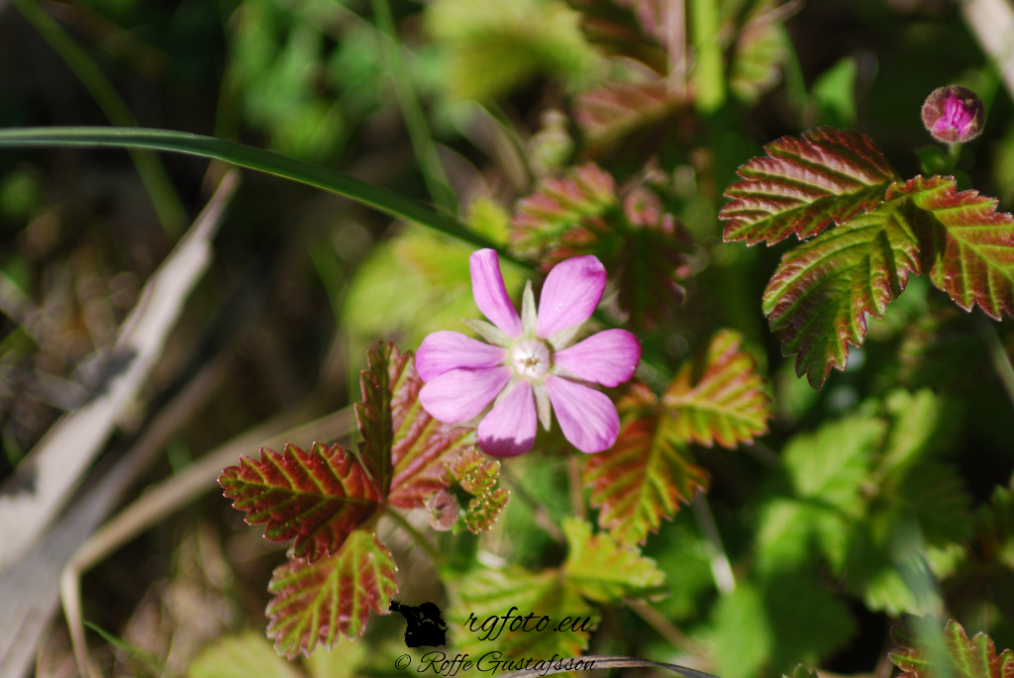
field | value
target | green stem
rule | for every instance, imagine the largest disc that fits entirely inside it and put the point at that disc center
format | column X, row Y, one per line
column 415, row 120
column 382, row 199
column 438, row 558
column 163, row 197
column 1001, row 361
column 953, row 155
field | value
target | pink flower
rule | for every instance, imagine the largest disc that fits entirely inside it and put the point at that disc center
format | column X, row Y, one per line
column 528, row 365
column 953, row 114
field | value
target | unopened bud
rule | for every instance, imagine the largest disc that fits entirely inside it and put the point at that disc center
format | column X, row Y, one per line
column 953, row 114
column 442, row 511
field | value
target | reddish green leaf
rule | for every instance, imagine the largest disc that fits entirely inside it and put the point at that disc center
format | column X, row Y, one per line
column 617, row 108
column 823, row 290
column 314, row 602
column 760, row 50
column 558, row 205
column 723, row 400
column 967, row 244
column 645, row 474
column 924, row 652
column 479, row 477
column 485, row 592
column 318, row 498
column 805, row 185
column 604, row 571
column 374, row 416
column 421, row 443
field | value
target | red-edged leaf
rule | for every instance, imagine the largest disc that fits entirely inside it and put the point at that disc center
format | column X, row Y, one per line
column 604, row 571
column 967, row 244
column 822, row 291
column 317, row 497
column 421, row 443
column 374, row 416
column 558, row 205
column 760, row 50
column 804, row 185
column 727, row 403
column 615, row 109
column 479, row 477
column 314, row 602
column 924, row 652
column 644, row 475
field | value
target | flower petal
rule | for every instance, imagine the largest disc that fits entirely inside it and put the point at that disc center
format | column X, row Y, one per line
column 491, row 294
column 587, row 417
column 459, row 395
column 509, row 428
column 444, row 351
column 572, row 291
column 608, row 358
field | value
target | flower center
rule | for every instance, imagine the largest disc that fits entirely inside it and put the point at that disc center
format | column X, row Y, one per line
column 530, row 358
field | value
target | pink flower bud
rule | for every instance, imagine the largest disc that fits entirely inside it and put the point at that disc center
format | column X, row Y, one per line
column 442, row 509
column 953, row 114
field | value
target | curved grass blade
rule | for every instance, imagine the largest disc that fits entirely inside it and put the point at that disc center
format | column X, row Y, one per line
column 570, row 664
column 382, row 199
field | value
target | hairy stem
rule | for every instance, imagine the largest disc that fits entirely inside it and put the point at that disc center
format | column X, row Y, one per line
column 438, row 558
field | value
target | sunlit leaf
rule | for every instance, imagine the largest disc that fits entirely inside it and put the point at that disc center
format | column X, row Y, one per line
column 968, row 245
column 603, row 570
column 645, row 475
column 318, row 497
column 805, row 185
column 421, row 443
column 384, row 366
column 823, row 290
column 483, row 593
column 478, row 477
column 721, row 399
column 314, row 602
column 240, row 656
column 922, row 651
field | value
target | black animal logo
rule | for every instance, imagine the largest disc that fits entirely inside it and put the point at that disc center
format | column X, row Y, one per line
column 425, row 625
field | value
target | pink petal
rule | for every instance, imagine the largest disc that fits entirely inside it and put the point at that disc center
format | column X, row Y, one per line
column 491, row 294
column 509, row 428
column 608, row 358
column 444, row 351
column 459, row 395
column 587, row 417
column 572, row 291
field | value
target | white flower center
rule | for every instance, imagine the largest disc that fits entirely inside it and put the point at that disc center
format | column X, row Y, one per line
column 530, row 358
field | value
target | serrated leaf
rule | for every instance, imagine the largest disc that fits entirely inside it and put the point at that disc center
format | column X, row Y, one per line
column 823, row 290
column 802, row 672
column 479, row 477
column 968, row 245
column 602, row 570
column 483, row 593
column 923, row 652
column 384, row 366
column 760, row 50
column 721, row 398
column 805, row 185
column 615, row 109
column 318, row 497
column 935, row 495
column 314, row 602
column 558, row 204
column 645, row 475
column 421, row 443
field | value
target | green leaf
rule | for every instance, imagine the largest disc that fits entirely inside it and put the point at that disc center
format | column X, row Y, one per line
column 721, row 398
column 802, row 672
column 241, row 656
column 314, row 602
column 615, row 109
column 935, row 495
column 645, row 474
column 968, row 245
column 480, row 594
column 922, row 651
column 823, row 290
column 373, row 415
column 422, row 444
column 478, row 477
column 805, row 185
column 319, row 498
column 382, row 199
column 760, row 51
column 604, row 571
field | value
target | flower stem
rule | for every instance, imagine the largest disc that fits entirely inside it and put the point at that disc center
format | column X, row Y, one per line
column 721, row 570
column 438, row 558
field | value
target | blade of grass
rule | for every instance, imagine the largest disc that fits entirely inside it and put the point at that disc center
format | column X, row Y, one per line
column 156, row 182
column 708, row 76
column 382, row 199
column 415, row 120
